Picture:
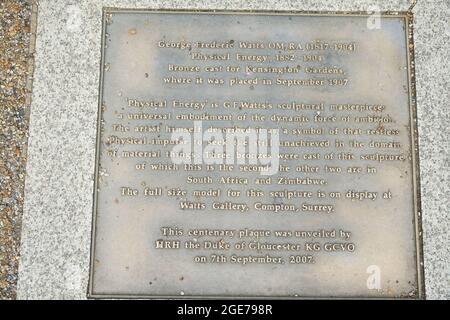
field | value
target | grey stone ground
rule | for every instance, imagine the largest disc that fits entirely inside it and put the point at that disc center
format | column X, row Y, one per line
column 58, row 205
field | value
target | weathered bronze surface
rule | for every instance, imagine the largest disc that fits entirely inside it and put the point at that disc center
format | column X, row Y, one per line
column 340, row 215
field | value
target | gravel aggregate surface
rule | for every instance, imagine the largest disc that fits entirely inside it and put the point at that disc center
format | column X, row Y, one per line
column 15, row 63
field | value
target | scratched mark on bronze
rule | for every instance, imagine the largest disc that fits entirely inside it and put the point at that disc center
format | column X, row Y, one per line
column 337, row 219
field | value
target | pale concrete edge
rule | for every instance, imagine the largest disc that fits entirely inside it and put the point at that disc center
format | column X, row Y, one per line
column 28, row 98
column 97, row 158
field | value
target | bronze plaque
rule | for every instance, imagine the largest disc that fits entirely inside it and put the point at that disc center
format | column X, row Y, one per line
column 255, row 154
